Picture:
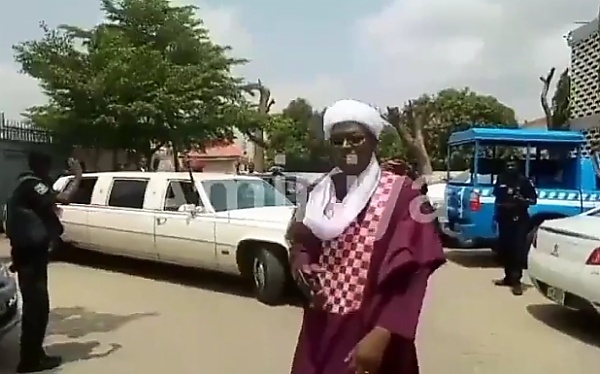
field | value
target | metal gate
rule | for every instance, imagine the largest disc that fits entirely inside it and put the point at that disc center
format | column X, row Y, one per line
column 17, row 139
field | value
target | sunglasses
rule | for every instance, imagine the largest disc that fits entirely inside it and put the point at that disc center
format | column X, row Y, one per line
column 348, row 141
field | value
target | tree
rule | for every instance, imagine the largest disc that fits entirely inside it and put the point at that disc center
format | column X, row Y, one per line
column 557, row 115
column 425, row 124
column 148, row 76
column 391, row 145
column 297, row 132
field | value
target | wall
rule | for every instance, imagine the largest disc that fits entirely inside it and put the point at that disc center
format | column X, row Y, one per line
column 100, row 159
column 220, row 166
column 13, row 161
column 584, row 96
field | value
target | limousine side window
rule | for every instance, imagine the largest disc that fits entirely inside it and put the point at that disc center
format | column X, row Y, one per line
column 83, row 194
column 180, row 193
column 128, row 193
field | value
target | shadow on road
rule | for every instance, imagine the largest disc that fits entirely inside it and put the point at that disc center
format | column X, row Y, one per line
column 72, row 323
column 583, row 327
column 212, row 281
column 473, row 258
column 77, row 322
column 82, row 351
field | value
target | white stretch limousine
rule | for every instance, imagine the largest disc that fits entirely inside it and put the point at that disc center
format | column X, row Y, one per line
column 234, row 224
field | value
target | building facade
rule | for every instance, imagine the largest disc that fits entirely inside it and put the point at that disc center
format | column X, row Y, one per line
column 585, row 81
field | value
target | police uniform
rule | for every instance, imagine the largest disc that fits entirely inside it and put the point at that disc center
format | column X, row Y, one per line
column 514, row 194
column 32, row 223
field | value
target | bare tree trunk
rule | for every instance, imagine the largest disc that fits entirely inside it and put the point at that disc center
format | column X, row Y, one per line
column 259, row 153
column 175, row 158
column 95, row 158
column 115, row 159
column 265, row 102
column 406, row 121
column 423, row 160
column 546, row 81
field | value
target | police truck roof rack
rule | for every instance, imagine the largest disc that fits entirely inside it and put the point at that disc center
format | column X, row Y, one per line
column 515, row 136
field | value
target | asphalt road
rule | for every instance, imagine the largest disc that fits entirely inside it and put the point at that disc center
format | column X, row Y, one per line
column 119, row 316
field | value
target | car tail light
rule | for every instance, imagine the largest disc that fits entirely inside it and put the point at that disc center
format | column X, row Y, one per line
column 594, row 258
column 475, row 202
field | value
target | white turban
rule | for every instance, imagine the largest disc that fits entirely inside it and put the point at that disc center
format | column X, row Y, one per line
column 353, row 111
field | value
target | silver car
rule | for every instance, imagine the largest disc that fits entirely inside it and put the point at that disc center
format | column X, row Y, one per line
column 10, row 313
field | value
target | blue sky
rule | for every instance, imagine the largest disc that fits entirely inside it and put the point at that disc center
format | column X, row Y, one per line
column 381, row 51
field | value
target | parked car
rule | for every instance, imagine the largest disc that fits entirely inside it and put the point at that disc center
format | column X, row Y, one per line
column 9, row 301
column 564, row 261
column 229, row 223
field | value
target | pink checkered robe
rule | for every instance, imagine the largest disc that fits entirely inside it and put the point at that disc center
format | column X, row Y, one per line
column 347, row 258
column 375, row 275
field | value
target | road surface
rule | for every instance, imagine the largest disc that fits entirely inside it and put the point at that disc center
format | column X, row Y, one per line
column 116, row 316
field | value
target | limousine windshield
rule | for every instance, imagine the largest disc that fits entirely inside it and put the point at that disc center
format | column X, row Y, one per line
column 231, row 194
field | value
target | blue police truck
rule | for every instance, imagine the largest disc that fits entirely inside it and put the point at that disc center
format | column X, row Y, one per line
column 567, row 183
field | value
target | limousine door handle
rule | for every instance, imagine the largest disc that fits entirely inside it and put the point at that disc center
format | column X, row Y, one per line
column 161, row 220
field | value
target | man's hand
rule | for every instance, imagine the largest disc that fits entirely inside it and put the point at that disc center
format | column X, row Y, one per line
column 65, row 196
column 308, row 280
column 367, row 356
column 75, row 167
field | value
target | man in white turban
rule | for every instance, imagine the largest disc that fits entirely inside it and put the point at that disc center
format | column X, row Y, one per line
column 362, row 253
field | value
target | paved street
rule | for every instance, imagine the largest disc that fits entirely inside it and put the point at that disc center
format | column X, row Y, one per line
column 118, row 316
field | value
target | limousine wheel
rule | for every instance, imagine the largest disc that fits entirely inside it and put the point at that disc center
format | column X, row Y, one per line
column 269, row 276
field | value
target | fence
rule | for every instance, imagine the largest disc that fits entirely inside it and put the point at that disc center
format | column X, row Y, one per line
column 23, row 131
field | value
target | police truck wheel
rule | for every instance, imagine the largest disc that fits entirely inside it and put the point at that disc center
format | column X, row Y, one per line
column 269, row 277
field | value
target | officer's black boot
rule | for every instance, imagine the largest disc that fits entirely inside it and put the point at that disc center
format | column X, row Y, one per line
column 42, row 364
column 517, row 289
column 501, row 282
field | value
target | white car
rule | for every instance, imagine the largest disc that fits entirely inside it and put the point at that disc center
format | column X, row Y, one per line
column 436, row 193
column 564, row 261
column 229, row 223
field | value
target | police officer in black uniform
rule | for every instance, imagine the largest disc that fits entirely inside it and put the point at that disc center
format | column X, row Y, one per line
column 32, row 224
column 514, row 194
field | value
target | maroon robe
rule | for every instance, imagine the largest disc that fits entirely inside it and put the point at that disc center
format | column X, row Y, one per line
column 400, row 255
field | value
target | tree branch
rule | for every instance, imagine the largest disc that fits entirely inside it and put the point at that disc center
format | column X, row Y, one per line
column 255, row 139
column 265, row 103
column 546, row 81
column 398, row 120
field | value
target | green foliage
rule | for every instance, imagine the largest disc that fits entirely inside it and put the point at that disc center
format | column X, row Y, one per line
column 460, row 110
column 438, row 116
column 391, row 145
column 298, row 133
column 148, row 76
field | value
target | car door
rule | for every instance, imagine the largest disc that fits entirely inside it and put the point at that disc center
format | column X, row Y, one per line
column 123, row 226
column 74, row 216
column 184, row 237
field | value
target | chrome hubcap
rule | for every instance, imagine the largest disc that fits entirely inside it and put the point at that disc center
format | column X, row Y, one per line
column 259, row 274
